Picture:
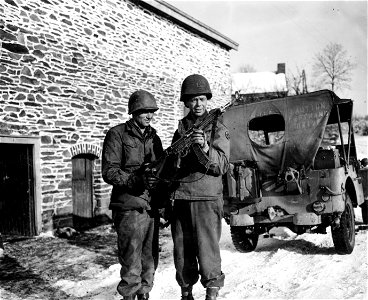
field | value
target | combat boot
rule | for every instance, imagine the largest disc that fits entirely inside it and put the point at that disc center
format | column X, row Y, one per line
column 143, row 296
column 212, row 292
column 186, row 293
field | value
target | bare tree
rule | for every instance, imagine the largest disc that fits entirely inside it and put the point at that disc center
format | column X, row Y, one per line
column 246, row 68
column 333, row 67
column 296, row 82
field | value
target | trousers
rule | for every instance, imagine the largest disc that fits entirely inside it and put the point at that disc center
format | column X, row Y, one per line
column 196, row 232
column 137, row 250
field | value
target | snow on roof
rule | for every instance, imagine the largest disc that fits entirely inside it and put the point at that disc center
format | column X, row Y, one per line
column 258, row 82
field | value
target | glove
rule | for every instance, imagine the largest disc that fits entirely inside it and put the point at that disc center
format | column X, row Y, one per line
column 135, row 183
column 150, row 180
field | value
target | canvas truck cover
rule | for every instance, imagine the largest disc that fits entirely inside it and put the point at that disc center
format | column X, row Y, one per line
column 304, row 119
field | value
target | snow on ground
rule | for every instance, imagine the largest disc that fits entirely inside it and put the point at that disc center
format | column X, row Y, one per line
column 286, row 266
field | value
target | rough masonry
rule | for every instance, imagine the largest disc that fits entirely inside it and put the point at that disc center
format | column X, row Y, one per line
column 67, row 69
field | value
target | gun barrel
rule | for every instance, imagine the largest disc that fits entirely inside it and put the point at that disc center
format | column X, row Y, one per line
column 184, row 142
column 226, row 106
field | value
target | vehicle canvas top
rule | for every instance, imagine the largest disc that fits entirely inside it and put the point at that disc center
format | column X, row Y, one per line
column 296, row 124
column 293, row 163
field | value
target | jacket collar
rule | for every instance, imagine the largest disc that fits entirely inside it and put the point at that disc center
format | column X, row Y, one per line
column 133, row 128
column 189, row 120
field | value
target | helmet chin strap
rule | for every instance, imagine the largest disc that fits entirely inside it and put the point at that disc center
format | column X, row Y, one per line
column 140, row 127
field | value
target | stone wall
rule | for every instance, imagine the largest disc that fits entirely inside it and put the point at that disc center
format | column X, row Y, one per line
column 68, row 67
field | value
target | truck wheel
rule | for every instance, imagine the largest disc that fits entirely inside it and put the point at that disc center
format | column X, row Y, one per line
column 344, row 236
column 364, row 208
column 244, row 239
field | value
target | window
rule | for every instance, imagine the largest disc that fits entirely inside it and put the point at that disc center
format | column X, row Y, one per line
column 267, row 130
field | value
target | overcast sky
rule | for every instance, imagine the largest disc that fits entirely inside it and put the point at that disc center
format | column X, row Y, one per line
column 272, row 32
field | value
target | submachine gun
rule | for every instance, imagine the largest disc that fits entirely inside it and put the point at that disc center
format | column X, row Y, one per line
column 162, row 168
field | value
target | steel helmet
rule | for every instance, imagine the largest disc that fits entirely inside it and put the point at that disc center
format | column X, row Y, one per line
column 141, row 99
column 195, row 85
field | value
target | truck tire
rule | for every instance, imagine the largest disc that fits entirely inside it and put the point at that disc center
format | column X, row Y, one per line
column 364, row 208
column 344, row 236
column 244, row 239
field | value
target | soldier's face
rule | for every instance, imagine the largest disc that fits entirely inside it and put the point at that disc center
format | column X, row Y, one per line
column 197, row 105
column 143, row 117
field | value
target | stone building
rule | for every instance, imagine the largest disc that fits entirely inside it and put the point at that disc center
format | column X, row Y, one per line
column 67, row 69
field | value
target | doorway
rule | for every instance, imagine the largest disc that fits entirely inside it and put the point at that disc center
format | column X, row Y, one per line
column 17, row 194
column 82, row 189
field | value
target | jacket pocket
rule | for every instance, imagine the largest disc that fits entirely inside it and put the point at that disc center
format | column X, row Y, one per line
column 130, row 142
column 132, row 153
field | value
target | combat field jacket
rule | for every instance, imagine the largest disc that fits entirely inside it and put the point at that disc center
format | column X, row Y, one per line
column 125, row 149
column 200, row 175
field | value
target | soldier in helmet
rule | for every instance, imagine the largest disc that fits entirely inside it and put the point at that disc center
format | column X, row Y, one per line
column 126, row 148
column 198, row 203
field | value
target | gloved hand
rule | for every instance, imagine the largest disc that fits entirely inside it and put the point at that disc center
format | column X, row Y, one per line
column 135, row 183
column 199, row 137
column 150, row 180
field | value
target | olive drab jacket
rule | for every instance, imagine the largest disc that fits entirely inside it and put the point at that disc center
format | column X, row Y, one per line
column 199, row 176
column 125, row 149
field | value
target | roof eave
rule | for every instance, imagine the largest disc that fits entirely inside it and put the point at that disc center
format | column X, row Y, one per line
column 185, row 20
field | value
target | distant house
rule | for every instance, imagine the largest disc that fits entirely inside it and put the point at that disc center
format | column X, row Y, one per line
column 259, row 85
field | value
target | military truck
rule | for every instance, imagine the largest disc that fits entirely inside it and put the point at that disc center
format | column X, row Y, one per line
column 293, row 163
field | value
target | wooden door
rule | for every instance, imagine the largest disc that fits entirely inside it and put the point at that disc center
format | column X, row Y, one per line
column 17, row 207
column 82, row 173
